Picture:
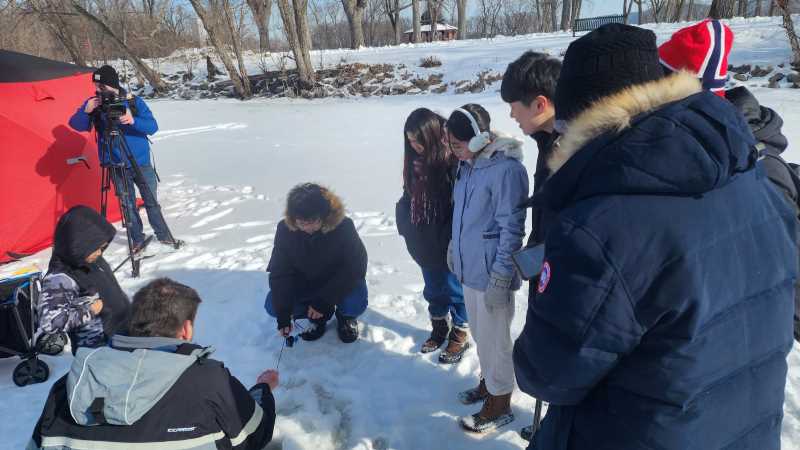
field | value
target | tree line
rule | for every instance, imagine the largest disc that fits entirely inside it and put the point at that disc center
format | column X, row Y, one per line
column 142, row 31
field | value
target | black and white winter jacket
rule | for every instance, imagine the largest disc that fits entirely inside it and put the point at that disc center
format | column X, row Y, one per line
column 153, row 393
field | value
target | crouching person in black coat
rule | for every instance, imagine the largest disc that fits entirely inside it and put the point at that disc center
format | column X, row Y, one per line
column 155, row 389
column 318, row 266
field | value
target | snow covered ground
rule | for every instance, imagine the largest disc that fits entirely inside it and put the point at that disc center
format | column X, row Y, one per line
column 226, row 167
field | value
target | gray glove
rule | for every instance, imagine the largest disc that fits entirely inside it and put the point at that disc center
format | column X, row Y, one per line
column 498, row 292
column 450, row 256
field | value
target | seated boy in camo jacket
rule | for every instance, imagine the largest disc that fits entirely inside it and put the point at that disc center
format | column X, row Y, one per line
column 80, row 296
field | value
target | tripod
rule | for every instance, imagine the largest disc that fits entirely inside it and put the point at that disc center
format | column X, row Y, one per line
column 124, row 187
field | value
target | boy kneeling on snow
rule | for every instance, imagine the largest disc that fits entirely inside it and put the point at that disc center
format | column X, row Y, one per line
column 318, row 265
column 155, row 389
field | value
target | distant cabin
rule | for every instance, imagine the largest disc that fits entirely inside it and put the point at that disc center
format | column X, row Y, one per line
column 444, row 32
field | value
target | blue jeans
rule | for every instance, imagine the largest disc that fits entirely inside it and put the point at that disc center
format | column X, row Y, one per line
column 353, row 305
column 150, row 204
column 444, row 294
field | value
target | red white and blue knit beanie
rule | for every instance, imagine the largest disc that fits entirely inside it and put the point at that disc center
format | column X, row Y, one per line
column 703, row 49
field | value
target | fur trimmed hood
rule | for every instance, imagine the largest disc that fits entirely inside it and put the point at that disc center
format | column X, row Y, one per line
column 666, row 137
column 329, row 223
column 501, row 142
column 615, row 112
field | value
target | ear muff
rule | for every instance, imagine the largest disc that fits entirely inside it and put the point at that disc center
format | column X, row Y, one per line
column 481, row 138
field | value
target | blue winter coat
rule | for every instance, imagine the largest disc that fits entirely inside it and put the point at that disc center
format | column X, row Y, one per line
column 488, row 222
column 135, row 135
column 666, row 309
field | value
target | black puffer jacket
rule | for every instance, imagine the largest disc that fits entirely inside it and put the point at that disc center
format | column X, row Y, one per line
column 79, row 233
column 541, row 218
column 766, row 126
column 426, row 243
column 321, row 268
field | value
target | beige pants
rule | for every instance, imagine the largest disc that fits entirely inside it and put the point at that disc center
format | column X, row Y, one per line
column 492, row 334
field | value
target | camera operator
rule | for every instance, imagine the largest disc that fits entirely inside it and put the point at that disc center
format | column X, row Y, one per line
column 135, row 124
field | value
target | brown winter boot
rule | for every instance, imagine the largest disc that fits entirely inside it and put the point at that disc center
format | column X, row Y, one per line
column 475, row 394
column 495, row 413
column 438, row 335
column 457, row 345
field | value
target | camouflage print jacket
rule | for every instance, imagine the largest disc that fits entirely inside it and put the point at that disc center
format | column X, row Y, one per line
column 63, row 308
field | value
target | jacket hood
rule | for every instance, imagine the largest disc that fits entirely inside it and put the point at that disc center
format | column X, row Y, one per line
column 123, row 383
column 329, row 223
column 664, row 137
column 80, row 232
column 765, row 123
column 501, row 142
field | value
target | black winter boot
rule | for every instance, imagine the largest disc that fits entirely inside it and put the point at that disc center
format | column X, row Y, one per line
column 347, row 327
column 439, row 331
column 317, row 332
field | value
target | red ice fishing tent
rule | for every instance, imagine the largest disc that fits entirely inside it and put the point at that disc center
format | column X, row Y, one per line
column 41, row 173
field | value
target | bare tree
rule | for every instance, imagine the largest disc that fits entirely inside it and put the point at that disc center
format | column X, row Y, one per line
column 25, row 32
column 355, row 16
column 303, row 32
column 330, row 27
column 262, row 11
column 657, row 9
column 518, row 17
column 55, row 18
column 627, row 6
column 392, row 9
column 416, row 17
column 722, row 9
column 639, row 11
column 690, row 10
column 788, row 25
column 677, row 9
column 432, row 16
column 566, row 15
column 295, row 23
column 743, row 7
column 234, row 37
column 150, row 75
column 216, row 21
column 489, row 11
column 547, row 13
column 758, row 8
column 462, row 19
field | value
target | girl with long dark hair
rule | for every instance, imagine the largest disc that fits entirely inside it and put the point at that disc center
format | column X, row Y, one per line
column 424, row 219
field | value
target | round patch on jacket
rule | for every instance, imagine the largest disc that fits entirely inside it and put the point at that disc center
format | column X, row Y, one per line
column 544, row 278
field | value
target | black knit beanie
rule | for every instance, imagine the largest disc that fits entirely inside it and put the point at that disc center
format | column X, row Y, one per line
column 604, row 62
column 106, row 75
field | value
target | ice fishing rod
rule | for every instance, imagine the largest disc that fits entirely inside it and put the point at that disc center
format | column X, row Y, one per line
column 300, row 326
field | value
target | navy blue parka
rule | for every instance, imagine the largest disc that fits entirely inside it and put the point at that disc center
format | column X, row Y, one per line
column 665, row 309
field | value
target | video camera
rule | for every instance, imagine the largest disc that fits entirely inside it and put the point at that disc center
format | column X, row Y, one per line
column 111, row 106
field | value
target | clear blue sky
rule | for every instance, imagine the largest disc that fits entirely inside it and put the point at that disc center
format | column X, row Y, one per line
column 593, row 8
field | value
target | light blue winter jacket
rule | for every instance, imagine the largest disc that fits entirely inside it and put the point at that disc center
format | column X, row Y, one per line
column 488, row 224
